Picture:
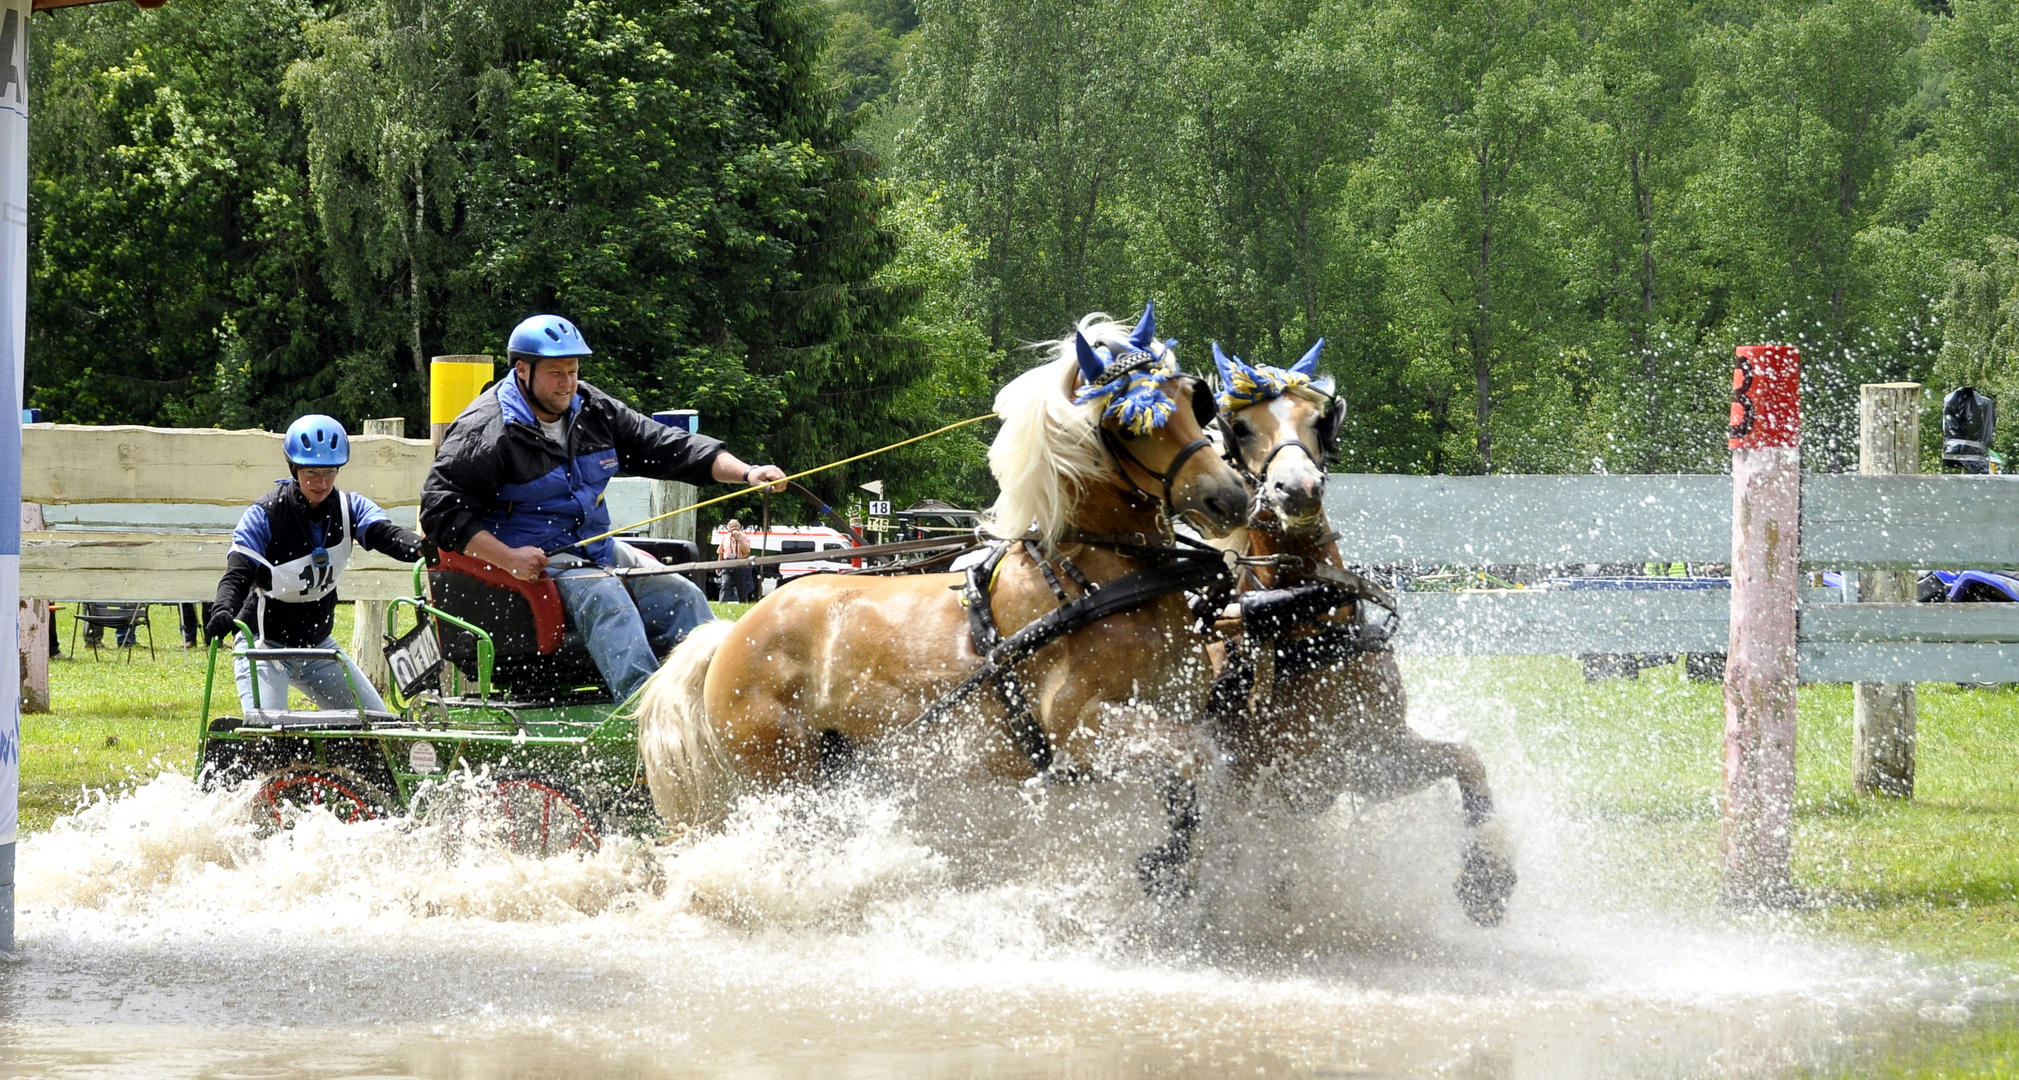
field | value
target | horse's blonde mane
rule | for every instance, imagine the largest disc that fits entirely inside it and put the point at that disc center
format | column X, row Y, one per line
column 1049, row 447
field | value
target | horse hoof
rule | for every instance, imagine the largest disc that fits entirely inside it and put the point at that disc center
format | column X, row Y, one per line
column 1165, row 872
column 1484, row 883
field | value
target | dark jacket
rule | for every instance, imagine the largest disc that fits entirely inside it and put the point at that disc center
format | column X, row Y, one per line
column 282, row 527
column 497, row 471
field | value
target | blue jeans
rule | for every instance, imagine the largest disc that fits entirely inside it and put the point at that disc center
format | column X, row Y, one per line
column 322, row 680
column 628, row 630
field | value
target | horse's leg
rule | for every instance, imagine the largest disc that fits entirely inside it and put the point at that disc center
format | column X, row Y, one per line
column 1392, row 761
column 1132, row 740
column 1166, row 870
column 1486, row 875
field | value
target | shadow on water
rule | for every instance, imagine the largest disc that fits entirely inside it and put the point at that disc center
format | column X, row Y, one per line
column 930, row 928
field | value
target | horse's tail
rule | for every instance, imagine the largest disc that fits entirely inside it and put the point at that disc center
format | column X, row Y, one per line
column 692, row 781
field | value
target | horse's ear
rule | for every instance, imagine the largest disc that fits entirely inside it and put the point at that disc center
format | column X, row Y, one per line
column 1146, row 328
column 1224, row 365
column 1091, row 368
column 1308, row 366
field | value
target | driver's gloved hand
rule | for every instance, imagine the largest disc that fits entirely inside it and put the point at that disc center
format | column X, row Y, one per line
column 220, row 625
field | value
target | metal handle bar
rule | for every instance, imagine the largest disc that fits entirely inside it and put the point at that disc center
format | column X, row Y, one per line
column 292, row 654
column 253, row 656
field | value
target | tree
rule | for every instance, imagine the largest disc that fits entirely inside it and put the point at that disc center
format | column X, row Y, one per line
column 388, row 89
column 1805, row 107
column 174, row 255
column 1030, row 116
column 1460, row 176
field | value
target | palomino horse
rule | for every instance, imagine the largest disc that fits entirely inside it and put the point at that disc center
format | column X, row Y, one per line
column 1316, row 708
column 1099, row 449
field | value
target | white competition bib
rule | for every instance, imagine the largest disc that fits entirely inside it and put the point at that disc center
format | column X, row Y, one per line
column 309, row 578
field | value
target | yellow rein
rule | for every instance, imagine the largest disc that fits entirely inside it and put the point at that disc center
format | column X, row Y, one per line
column 817, row 469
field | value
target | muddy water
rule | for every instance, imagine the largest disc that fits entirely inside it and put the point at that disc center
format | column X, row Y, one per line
column 890, row 929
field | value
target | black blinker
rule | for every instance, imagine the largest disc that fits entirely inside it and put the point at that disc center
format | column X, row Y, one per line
column 1328, row 425
column 1204, row 406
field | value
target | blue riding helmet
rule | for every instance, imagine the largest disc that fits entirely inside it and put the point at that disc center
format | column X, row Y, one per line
column 545, row 336
column 317, row 441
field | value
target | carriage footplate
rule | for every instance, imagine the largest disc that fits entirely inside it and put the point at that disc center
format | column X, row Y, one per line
column 312, row 719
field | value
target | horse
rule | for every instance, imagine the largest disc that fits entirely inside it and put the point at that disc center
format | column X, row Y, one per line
column 1310, row 703
column 1101, row 449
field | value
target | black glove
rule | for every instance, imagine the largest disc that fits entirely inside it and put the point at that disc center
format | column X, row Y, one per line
column 220, row 625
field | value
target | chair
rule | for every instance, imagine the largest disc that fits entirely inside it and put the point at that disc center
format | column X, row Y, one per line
column 121, row 619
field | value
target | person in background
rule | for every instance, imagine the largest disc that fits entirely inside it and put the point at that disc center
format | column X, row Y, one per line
column 734, row 584
column 192, row 622
column 287, row 553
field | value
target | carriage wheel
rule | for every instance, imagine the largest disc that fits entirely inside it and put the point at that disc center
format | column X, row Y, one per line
column 286, row 793
column 543, row 817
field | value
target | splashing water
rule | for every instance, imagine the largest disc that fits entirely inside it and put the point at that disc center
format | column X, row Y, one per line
column 885, row 928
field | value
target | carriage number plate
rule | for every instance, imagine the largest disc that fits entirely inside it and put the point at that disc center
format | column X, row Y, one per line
column 415, row 659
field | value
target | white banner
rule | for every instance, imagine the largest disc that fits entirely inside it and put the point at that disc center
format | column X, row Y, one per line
column 13, row 333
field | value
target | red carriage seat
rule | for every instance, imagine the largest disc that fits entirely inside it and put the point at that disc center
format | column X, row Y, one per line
column 536, row 654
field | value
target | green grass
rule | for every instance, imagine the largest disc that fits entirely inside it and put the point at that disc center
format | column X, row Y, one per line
column 1935, row 875
column 113, row 720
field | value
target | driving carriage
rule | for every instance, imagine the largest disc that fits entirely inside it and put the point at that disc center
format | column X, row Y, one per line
column 494, row 698
column 1092, row 630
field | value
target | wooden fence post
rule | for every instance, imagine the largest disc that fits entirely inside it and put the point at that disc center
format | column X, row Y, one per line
column 1760, row 673
column 34, row 629
column 1883, row 714
column 368, row 622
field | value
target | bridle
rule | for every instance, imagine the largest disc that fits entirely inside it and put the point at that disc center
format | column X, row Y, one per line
column 1231, row 448
column 1123, row 457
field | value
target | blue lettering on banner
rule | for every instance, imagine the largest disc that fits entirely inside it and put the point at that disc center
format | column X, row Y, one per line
column 10, row 745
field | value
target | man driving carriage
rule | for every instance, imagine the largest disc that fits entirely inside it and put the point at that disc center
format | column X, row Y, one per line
column 519, row 483
column 280, row 579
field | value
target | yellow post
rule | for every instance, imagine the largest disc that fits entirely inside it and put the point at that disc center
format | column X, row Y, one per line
column 454, row 382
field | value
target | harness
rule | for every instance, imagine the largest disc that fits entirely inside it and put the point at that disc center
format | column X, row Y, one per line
column 1178, row 570
column 1265, row 654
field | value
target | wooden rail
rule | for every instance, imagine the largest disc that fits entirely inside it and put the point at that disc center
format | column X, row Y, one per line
column 74, row 463
column 1848, row 523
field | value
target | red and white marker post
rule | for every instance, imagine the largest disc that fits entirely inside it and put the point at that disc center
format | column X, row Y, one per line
column 1760, row 673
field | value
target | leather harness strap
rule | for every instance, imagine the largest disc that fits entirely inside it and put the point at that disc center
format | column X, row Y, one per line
column 1182, row 570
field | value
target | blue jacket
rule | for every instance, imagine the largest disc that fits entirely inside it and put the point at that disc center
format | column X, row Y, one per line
column 498, row 471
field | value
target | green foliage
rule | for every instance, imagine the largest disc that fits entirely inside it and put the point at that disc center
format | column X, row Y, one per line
column 174, row 274
column 280, row 208
column 1532, row 232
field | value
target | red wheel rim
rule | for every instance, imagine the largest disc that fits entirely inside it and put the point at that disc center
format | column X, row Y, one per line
column 308, row 790
column 543, row 818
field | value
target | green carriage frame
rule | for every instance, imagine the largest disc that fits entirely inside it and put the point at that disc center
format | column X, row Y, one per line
column 566, row 771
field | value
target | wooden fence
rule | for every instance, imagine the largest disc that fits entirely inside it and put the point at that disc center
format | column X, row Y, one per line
column 1847, row 523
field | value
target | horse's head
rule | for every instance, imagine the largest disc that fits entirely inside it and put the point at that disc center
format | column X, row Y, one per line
column 1281, row 423
column 1110, row 413
column 1153, row 422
